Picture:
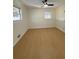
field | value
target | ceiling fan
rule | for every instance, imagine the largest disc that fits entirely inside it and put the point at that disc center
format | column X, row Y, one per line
column 47, row 4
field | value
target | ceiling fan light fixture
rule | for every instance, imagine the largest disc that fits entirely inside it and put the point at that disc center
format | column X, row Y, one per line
column 45, row 5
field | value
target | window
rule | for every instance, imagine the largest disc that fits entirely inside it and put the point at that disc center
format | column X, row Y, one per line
column 16, row 14
column 47, row 15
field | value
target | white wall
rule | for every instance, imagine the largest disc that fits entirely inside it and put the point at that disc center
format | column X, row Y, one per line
column 60, row 18
column 37, row 19
column 20, row 27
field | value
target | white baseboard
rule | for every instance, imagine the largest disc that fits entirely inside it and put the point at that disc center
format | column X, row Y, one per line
column 40, row 27
column 60, row 29
column 19, row 38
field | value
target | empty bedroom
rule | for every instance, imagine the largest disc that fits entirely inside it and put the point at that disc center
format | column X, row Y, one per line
column 38, row 29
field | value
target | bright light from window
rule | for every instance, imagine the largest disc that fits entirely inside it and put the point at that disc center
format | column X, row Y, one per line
column 16, row 14
column 47, row 15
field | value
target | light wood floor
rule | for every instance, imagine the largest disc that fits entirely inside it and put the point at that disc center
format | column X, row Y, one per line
column 41, row 44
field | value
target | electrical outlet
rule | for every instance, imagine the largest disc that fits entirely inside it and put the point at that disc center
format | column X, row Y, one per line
column 18, row 36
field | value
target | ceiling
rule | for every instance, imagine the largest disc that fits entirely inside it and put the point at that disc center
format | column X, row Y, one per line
column 38, row 3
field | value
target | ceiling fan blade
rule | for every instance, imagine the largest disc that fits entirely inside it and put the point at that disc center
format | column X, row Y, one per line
column 42, row 1
column 45, row 3
column 50, row 4
column 45, row 0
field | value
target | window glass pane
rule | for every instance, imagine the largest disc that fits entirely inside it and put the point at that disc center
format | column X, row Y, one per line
column 16, row 14
column 47, row 15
